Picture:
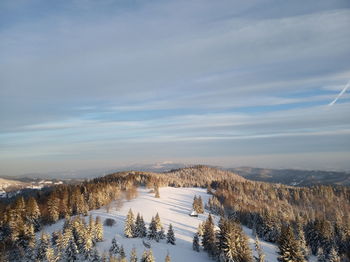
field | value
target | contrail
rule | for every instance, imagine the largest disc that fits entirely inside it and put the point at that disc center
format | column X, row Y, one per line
column 340, row 94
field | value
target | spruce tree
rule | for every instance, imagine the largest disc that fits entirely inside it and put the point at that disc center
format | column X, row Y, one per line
column 122, row 252
column 333, row 256
column 137, row 232
column 96, row 256
column 53, row 208
column 161, row 233
column 170, row 239
column 200, row 205
column 158, row 222
column 143, row 229
column 195, row 204
column 98, row 230
column 260, row 254
column 195, row 242
column 114, row 249
column 133, row 255
column 72, row 253
column 235, row 245
column 43, row 245
column 33, row 212
column 129, row 227
column 321, row 257
column 209, row 239
column 156, row 190
column 152, row 230
column 147, row 256
column 289, row 248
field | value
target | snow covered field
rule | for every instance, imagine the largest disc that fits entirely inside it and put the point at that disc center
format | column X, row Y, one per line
column 173, row 206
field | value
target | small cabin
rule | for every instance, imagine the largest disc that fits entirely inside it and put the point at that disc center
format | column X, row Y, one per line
column 193, row 214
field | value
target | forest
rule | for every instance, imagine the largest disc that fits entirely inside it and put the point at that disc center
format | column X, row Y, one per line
column 302, row 221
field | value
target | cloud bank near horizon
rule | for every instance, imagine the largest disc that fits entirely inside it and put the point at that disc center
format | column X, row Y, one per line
column 86, row 83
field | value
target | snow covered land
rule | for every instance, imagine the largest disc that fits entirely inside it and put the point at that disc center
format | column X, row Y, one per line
column 173, row 206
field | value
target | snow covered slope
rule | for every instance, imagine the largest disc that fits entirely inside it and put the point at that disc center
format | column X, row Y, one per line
column 173, row 206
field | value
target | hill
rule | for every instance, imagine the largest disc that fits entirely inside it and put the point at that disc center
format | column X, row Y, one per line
column 294, row 177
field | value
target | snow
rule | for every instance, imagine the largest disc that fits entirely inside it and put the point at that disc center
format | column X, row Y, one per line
column 173, row 206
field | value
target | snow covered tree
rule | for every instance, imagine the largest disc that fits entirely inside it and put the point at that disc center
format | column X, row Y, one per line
column 300, row 237
column 234, row 243
column 321, row 257
column 260, row 254
column 129, row 227
column 209, row 238
column 53, row 208
column 96, row 256
column 333, row 256
column 200, row 229
column 98, row 230
column 152, row 230
column 33, row 212
column 289, row 248
column 122, row 252
column 158, row 222
column 200, row 208
column 156, row 191
column 170, row 238
column 43, row 245
column 147, row 256
column 161, row 233
column 72, row 253
column 195, row 242
column 133, row 255
column 114, row 249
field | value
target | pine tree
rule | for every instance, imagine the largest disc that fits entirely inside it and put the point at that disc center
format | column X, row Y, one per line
column 53, row 208
column 44, row 244
column 137, row 232
column 156, row 190
column 161, row 233
column 167, row 258
column 289, row 247
column 195, row 242
column 96, row 256
column 195, row 204
column 234, row 246
column 72, row 253
column 114, row 249
column 143, row 229
column 200, row 229
column 321, row 257
column 152, row 230
column 129, row 228
column 33, row 212
column 333, row 256
column 147, row 256
column 158, row 222
column 50, row 255
column 209, row 239
column 200, row 205
column 300, row 237
column 98, row 229
column 170, row 239
column 259, row 251
column 133, row 255
column 122, row 252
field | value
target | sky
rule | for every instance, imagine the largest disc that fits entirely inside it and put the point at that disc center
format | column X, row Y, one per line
column 99, row 84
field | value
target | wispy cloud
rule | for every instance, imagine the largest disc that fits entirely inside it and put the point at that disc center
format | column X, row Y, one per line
column 104, row 80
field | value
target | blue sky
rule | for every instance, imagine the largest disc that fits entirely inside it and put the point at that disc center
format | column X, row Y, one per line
column 99, row 84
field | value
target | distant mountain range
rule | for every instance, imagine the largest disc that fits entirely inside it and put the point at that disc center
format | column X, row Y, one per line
column 284, row 176
column 294, row 177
